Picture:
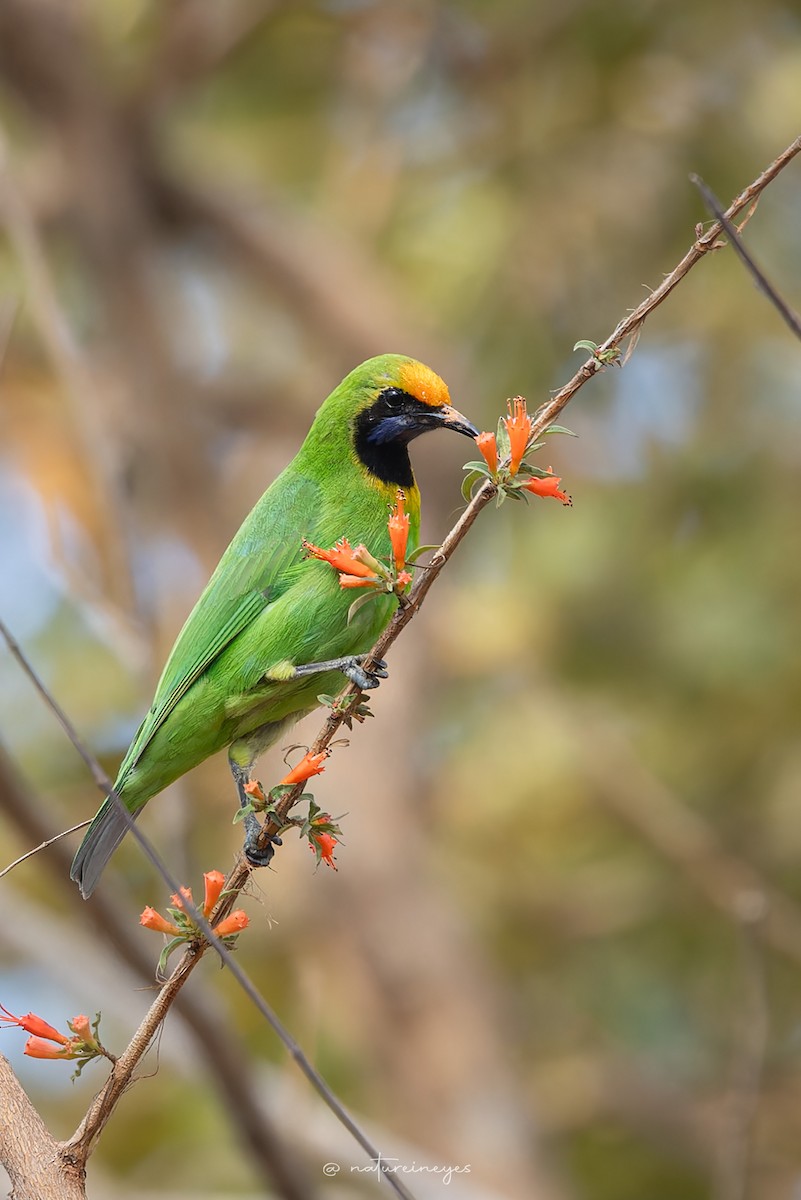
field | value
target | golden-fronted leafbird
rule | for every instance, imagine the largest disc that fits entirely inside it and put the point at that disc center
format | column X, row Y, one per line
column 271, row 631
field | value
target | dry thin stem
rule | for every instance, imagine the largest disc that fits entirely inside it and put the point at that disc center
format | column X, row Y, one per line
column 43, row 846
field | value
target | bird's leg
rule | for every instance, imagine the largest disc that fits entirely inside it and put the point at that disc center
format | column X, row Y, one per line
column 256, row 855
column 350, row 666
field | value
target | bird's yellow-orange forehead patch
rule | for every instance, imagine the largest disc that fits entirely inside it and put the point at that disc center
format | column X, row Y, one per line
column 422, row 383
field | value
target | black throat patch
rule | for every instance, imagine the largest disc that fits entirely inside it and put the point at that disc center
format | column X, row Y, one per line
column 382, row 432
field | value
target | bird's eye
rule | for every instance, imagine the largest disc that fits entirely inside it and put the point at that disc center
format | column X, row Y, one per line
column 393, row 398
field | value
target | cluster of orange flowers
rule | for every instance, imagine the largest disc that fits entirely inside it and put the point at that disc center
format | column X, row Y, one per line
column 321, row 840
column 359, row 568
column 47, row 1042
column 182, row 926
column 518, row 425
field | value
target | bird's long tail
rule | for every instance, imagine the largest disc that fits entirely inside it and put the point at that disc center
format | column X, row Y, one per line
column 100, row 841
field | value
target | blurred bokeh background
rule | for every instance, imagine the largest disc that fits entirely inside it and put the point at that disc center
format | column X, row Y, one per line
column 563, row 946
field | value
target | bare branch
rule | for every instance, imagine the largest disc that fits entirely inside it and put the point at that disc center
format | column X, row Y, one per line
column 43, row 846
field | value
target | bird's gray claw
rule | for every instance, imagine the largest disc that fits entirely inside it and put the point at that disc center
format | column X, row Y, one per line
column 257, row 855
column 365, row 680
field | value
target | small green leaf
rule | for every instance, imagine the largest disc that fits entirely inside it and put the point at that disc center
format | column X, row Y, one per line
column 559, row 429
column 241, row 813
column 413, row 557
column 173, row 944
column 359, row 603
column 502, row 439
column 590, row 347
column 468, row 484
column 477, row 464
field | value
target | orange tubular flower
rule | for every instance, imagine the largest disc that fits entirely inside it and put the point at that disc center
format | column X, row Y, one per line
column 547, row 485
column 518, row 426
column 351, row 581
column 37, row 1047
column 489, row 450
column 33, row 1024
column 235, row 922
column 213, row 881
column 398, row 526
column 310, row 764
column 341, row 557
column 154, row 920
column 254, row 789
column 325, row 843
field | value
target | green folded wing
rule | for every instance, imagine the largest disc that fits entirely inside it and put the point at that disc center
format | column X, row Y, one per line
column 254, row 571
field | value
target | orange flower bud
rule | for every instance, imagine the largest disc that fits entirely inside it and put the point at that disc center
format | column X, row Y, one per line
column 363, row 556
column 518, row 426
column 33, row 1024
column 489, row 450
column 310, row 764
column 82, row 1028
column 547, row 485
column 177, row 898
column 325, row 843
column 154, row 920
column 353, row 581
column 398, row 526
column 235, row 922
column 213, row 881
column 254, row 789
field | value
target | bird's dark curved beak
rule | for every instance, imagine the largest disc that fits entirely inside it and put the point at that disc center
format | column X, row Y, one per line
column 451, row 418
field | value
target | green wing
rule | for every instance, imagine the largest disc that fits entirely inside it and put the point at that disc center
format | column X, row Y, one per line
column 254, row 571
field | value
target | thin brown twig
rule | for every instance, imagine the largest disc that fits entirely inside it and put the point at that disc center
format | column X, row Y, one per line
column 43, row 846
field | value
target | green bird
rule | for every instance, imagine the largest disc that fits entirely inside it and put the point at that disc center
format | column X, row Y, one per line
column 271, row 632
